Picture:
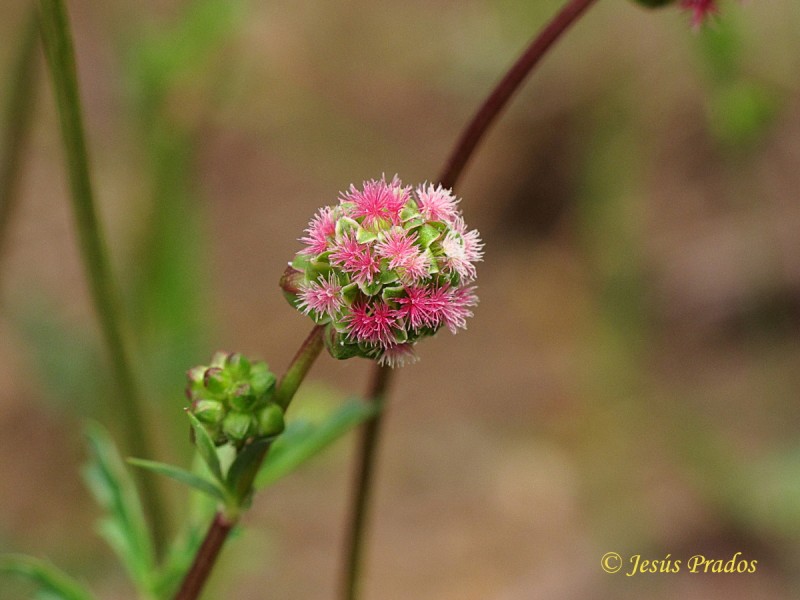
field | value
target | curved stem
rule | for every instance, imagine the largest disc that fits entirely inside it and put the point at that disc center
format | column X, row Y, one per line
column 221, row 526
column 58, row 47
column 450, row 174
column 362, row 483
column 510, row 83
column 17, row 121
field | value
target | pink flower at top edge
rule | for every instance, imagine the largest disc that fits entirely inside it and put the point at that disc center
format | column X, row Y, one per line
column 701, row 10
column 436, row 203
column 376, row 202
column 321, row 228
column 323, row 296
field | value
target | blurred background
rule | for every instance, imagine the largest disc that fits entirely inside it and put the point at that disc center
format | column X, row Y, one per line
column 629, row 382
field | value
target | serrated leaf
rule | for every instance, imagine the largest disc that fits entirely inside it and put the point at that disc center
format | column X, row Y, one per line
column 51, row 580
column 193, row 480
column 303, row 440
column 124, row 526
column 206, row 448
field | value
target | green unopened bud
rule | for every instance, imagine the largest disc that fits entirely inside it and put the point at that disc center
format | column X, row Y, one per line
column 209, row 412
column 270, row 420
column 216, row 380
column 243, row 399
column 238, row 365
column 238, row 426
column 219, row 359
column 262, row 380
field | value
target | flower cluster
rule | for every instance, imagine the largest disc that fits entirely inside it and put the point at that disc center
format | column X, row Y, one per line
column 232, row 398
column 384, row 268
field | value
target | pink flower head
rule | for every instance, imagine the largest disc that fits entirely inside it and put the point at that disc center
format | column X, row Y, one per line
column 323, row 297
column 377, row 202
column 454, row 304
column 418, row 309
column 385, row 268
column 320, row 230
column 399, row 248
column 355, row 258
column 462, row 249
column 372, row 323
column 701, row 10
column 436, row 203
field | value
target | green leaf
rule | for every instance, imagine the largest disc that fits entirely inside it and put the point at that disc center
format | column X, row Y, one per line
column 49, row 579
column 206, row 448
column 242, row 471
column 193, row 480
column 124, row 527
column 303, row 440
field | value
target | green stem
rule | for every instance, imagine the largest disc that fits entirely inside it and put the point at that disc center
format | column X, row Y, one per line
column 58, row 47
column 454, row 167
column 17, row 121
column 221, row 526
column 362, row 485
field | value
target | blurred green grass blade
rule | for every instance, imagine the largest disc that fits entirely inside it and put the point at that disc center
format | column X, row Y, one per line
column 183, row 476
column 302, row 440
column 51, row 581
column 124, row 526
column 17, row 118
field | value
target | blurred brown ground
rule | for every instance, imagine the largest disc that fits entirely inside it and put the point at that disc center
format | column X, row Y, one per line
column 629, row 382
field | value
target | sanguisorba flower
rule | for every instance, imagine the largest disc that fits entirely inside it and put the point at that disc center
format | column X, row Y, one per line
column 701, row 10
column 385, row 267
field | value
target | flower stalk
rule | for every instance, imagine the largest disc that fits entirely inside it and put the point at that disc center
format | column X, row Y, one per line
column 57, row 41
column 225, row 520
column 451, row 173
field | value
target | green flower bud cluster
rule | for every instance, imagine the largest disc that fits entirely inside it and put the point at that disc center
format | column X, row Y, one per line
column 233, row 399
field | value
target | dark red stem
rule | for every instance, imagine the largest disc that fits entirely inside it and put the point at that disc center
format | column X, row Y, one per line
column 205, row 558
column 501, row 94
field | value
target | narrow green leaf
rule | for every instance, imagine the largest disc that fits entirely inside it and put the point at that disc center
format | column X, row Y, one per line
column 124, row 527
column 243, row 470
column 50, row 580
column 303, row 440
column 193, row 480
column 206, row 448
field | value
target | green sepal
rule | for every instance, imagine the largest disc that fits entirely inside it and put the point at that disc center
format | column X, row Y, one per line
column 392, row 293
column 243, row 399
column 239, row 365
column 201, row 484
column 210, row 412
column 345, row 225
column 410, row 211
column 50, row 580
column 364, row 236
column 301, row 262
column 350, row 293
column 400, row 336
column 388, row 276
column 427, row 235
column 338, row 347
column 370, row 289
column 206, row 447
column 243, row 470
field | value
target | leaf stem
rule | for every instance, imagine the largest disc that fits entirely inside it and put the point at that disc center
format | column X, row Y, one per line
column 17, row 122
column 221, row 526
column 58, row 46
column 463, row 150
